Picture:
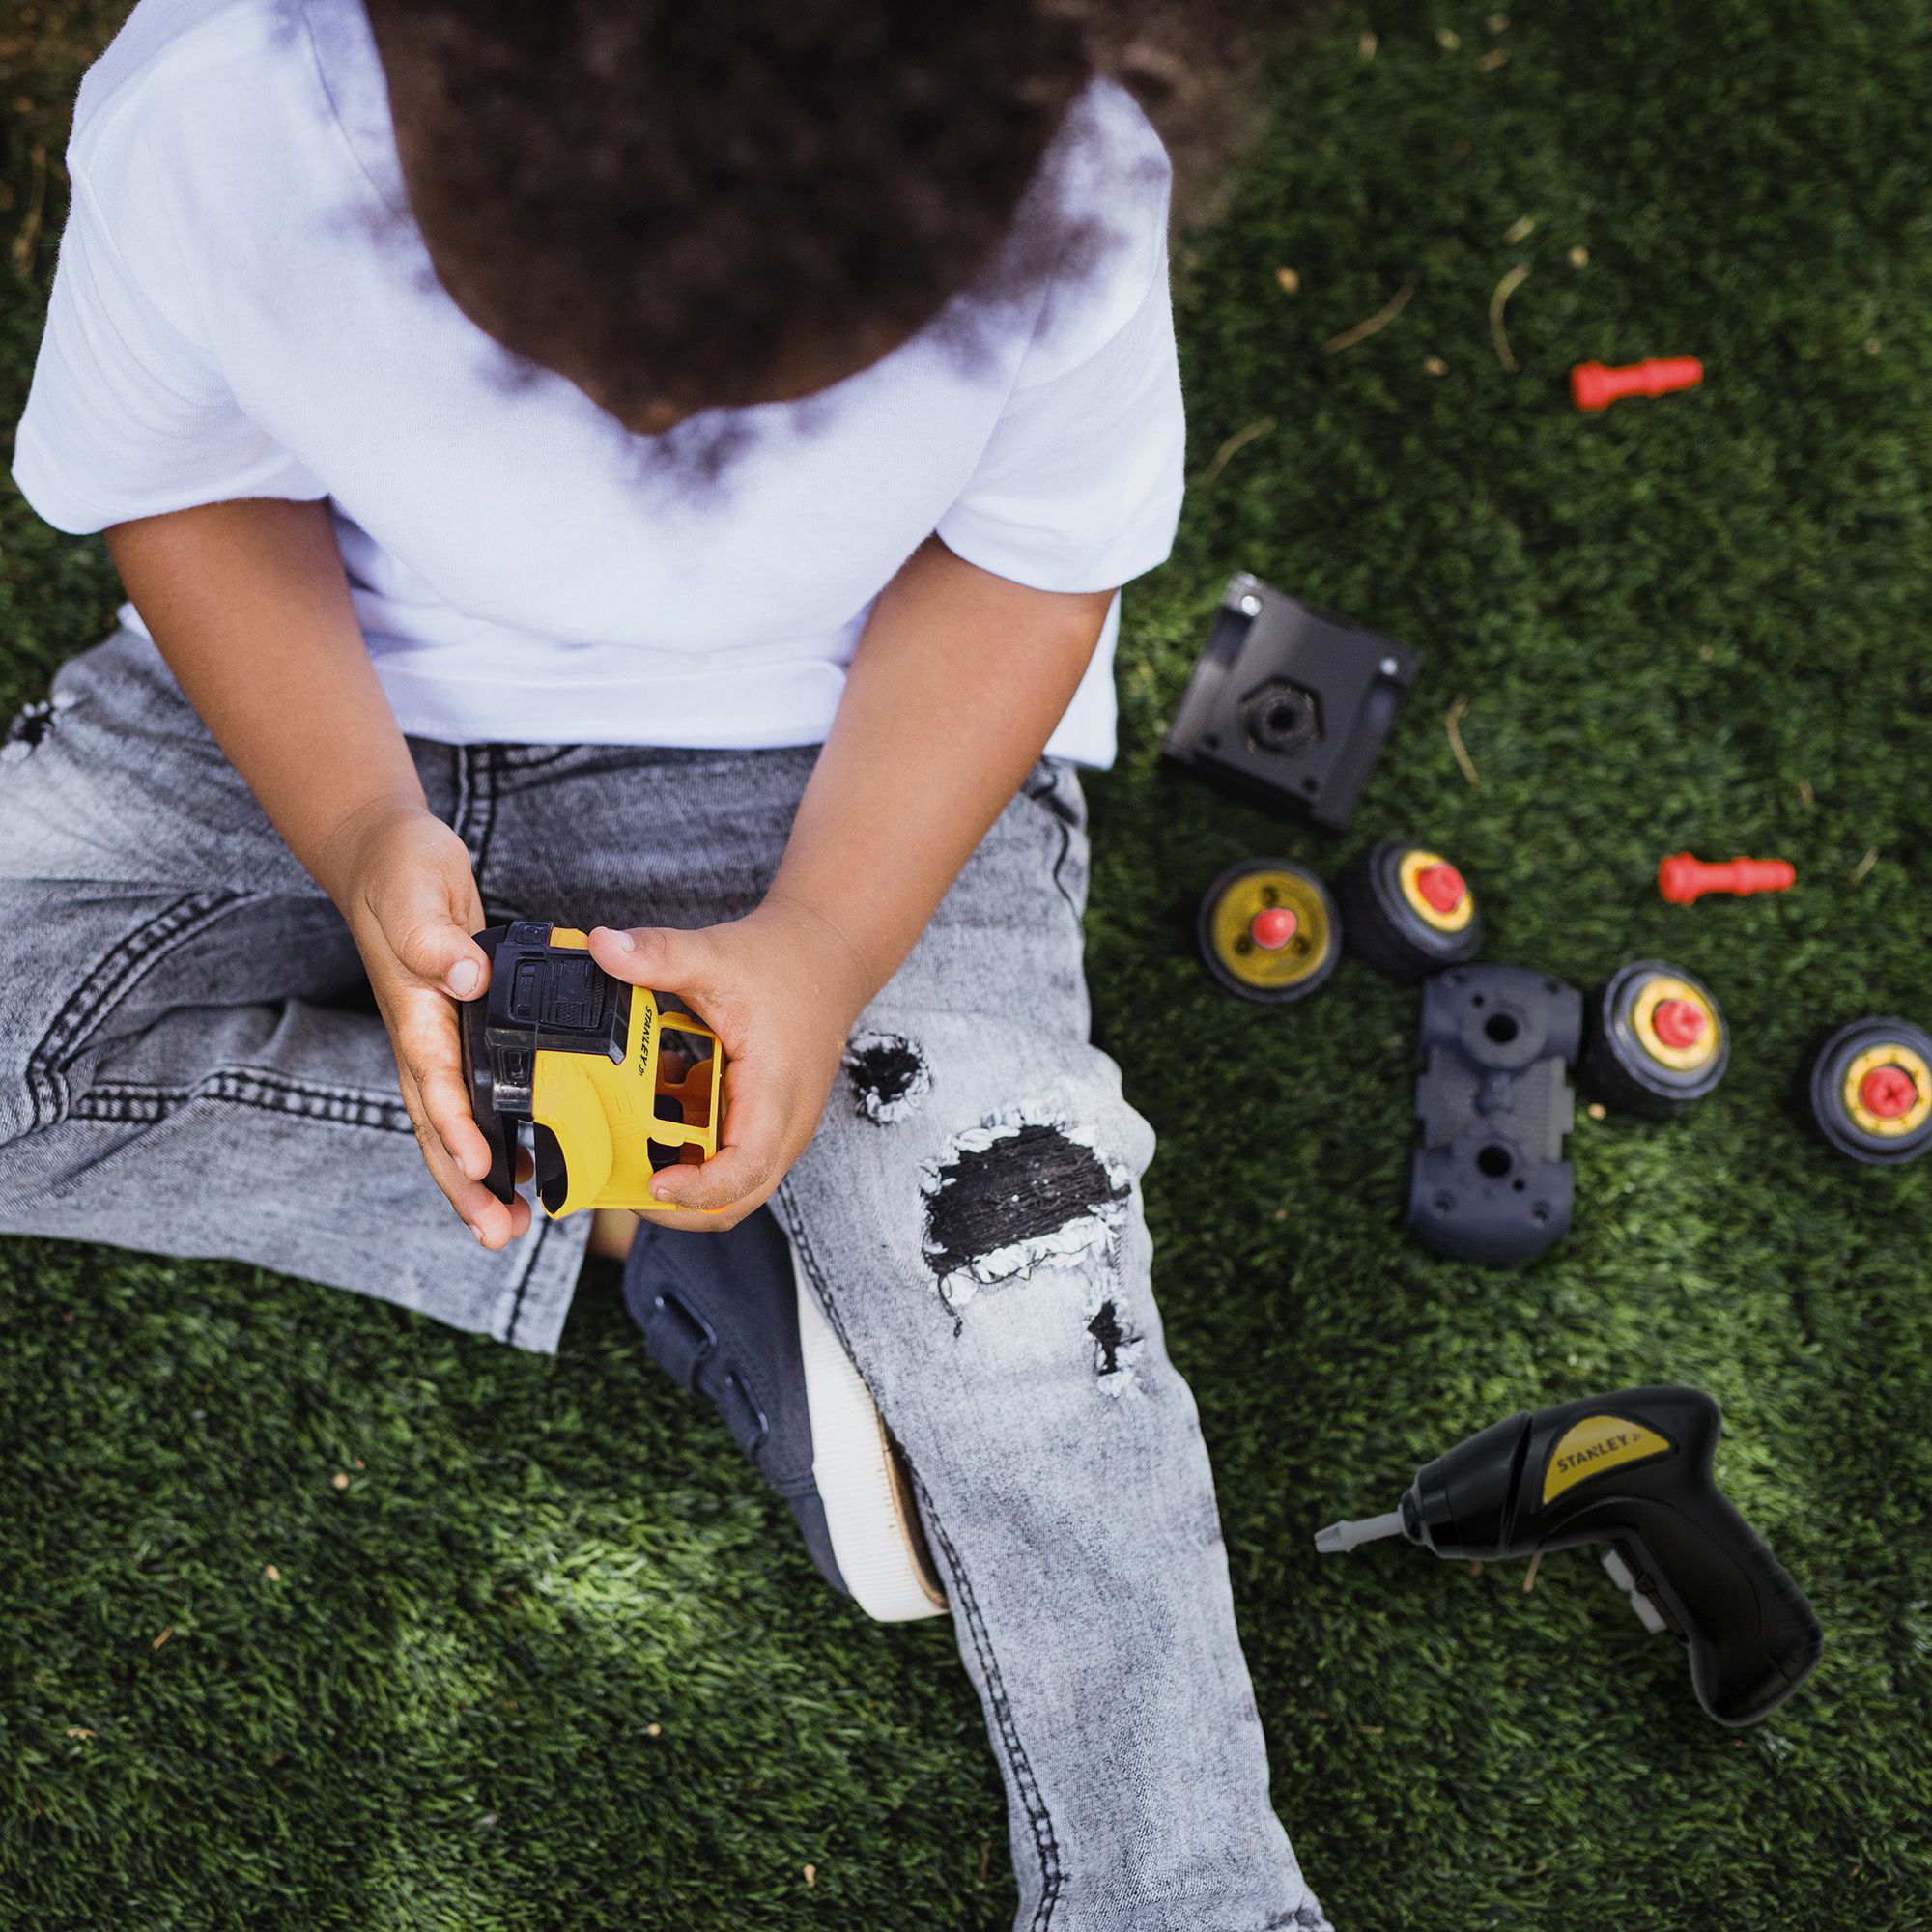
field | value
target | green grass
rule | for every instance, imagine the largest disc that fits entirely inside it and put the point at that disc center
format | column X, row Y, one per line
column 551, row 1658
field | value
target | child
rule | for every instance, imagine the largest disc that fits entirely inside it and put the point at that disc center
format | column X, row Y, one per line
column 715, row 436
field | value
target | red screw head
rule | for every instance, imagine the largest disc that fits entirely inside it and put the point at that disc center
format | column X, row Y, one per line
column 1888, row 1091
column 1677, row 1023
column 1272, row 927
column 1442, row 885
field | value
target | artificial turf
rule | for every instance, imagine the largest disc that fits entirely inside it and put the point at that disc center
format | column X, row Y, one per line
column 551, row 1658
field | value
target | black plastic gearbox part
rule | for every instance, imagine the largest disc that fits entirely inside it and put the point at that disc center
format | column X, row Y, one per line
column 1655, row 1041
column 1291, row 703
column 1869, row 1091
column 1408, row 912
column 1488, row 1182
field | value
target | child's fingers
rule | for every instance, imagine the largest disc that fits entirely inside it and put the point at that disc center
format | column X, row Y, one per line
column 424, row 1033
column 446, row 1105
column 420, row 908
column 441, row 954
column 731, row 1174
column 493, row 1222
column 658, row 956
column 691, row 1221
column 495, row 1225
column 747, row 1167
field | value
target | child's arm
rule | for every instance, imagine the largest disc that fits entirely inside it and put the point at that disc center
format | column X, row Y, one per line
column 956, row 685
column 248, row 604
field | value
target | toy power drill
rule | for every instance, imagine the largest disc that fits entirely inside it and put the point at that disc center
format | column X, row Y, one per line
column 1632, row 1469
column 614, row 1084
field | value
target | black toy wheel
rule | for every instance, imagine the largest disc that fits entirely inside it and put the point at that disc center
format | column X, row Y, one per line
column 1657, row 1040
column 1409, row 911
column 1269, row 931
column 1871, row 1091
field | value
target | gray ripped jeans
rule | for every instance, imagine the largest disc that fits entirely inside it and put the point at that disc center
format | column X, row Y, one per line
column 179, row 1071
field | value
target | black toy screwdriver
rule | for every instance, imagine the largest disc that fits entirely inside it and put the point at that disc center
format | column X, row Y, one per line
column 1632, row 1469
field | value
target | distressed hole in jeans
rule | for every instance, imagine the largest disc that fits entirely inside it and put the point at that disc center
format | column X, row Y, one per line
column 1117, row 1347
column 889, row 1076
column 33, row 723
column 1013, row 1195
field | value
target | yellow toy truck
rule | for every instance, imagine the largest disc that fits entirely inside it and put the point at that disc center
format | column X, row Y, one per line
column 615, row 1081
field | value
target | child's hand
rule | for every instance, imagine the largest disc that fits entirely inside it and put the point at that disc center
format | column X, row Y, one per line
column 403, row 884
column 781, row 989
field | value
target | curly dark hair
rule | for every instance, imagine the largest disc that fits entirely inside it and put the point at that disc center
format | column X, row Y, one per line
column 712, row 202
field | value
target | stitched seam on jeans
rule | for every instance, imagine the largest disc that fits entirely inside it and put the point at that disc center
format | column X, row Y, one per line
column 1065, row 847
column 491, row 774
column 524, row 1283
column 1042, row 796
column 129, row 1101
column 460, row 802
column 1045, row 1844
column 1040, row 1820
column 107, row 982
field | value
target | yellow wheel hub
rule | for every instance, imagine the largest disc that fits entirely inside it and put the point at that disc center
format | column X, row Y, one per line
column 1414, row 863
column 1270, row 968
column 1657, row 1035
column 1887, row 1126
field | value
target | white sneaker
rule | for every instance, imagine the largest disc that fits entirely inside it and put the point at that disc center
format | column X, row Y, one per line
column 861, row 1480
column 731, row 1317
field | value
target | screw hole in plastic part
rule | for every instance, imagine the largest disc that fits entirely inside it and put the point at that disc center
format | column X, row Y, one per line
column 1494, row 1160
column 1540, row 1215
column 1475, row 999
column 1500, row 1028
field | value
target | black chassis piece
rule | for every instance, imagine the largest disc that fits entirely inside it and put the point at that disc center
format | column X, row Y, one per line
column 1488, row 1182
column 1291, row 703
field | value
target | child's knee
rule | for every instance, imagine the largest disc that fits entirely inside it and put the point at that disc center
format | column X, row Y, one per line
column 1017, row 1262
column 972, row 1207
column 1062, row 1345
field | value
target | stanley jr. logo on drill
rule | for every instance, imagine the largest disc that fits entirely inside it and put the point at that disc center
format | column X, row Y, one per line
column 1595, row 1444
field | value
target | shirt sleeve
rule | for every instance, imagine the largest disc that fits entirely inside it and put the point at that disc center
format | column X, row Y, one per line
column 1079, row 486
column 128, row 415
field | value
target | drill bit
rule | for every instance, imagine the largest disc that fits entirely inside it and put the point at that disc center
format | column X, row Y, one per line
column 1340, row 1536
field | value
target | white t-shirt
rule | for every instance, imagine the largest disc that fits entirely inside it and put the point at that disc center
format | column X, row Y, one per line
column 239, row 311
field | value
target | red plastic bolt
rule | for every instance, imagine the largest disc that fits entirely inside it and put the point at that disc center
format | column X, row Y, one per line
column 1888, row 1091
column 1442, row 885
column 1595, row 387
column 1678, row 1023
column 1682, row 877
column 1272, row 927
